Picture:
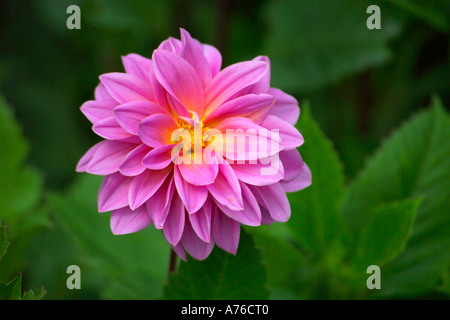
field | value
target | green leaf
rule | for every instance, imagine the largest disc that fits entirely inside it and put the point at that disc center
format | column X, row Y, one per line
column 313, row 43
column 119, row 260
column 413, row 163
column 386, row 233
column 282, row 260
column 316, row 219
column 11, row 290
column 221, row 276
column 20, row 187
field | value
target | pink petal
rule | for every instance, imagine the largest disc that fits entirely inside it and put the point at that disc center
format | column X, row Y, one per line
column 158, row 158
column 110, row 129
column 179, row 78
column 214, row 58
column 266, row 218
column 96, row 111
column 260, row 174
column 158, row 90
column 226, row 188
column 193, row 197
column 192, row 52
column 158, row 205
column 145, row 185
column 201, row 174
column 263, row 85
column 125, row 220
column 113, row 193
column 201, row 222
column 173, row 45
column 197, row 248
column 299, row 182
column 132, row 164
column 290, row 136
column 130, row 114
column 101, row 93
column 231, row 80
column 245, row 140
column 179, row 250
column 174, row 224
column 252, row 106
column 105, row 157
column 225, row 231
column 292, row 163
column 285, row 106
column 126, row 87
column 250, row 215
column 156, row 130
column 137, row 66
column 274, row 199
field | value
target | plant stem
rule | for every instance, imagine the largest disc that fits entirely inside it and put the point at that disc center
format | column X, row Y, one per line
column 172, row 263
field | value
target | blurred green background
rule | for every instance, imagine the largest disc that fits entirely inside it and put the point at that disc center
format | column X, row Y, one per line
column 360, row 84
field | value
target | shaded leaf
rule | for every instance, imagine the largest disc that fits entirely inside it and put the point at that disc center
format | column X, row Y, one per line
column 221, row 276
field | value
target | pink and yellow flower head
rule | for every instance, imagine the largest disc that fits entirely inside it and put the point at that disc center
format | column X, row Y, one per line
column 192, row 148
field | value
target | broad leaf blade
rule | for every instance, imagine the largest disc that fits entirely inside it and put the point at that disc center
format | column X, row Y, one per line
column 414, row 162
column 221, row 276
column 316, row 219
column 386, row 233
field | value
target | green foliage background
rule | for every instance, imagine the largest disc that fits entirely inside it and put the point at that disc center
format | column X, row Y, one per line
column 374, row 116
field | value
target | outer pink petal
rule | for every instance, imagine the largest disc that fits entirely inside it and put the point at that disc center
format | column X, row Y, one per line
column 125, row 87
column 145, row 185
column 193, row 197
column 130, row 114
column 260, row 174
column 214, row 58
column 179, row 78
column 174, row 224
column 110, row 129
column 113, row 193
column 252, row 106
column 226, row 188
column 96, row 111
column 285, row 107
column 158, row 205
column 132, row 164
column 101, row 93
column 299, row 182
column 225, row 231
column 231, row 80
column 125, row 220
column 290, row 136
column 138, row 66
column 156, row 130
column 263, row 85
column 192, row 52
column 250, row 215
column 201, row 222
column 179, row 250
column 173, row 45
column 105, row 157
column 197, row 248
column 274, row 199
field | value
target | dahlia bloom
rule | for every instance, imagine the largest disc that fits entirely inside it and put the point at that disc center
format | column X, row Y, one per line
column 203, row 202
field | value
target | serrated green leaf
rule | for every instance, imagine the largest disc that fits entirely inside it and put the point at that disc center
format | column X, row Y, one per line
column 316, row 219
column 413, row 163
column 386, row 233
column 11, row 290
column 144, row 254
column 329, row 40
column 221, row 276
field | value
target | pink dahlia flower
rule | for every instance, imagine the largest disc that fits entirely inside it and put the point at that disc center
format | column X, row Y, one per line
column 203, row 202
